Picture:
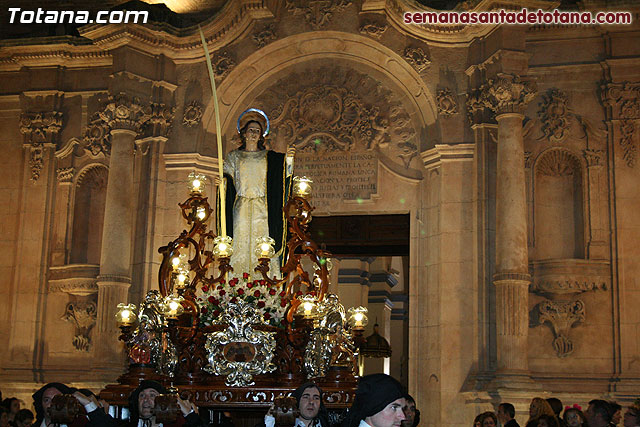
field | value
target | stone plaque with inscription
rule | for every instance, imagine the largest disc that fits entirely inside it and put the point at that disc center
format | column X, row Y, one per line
column 339, row 175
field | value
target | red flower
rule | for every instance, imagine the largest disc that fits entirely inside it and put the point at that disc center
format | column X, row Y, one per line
column 220, row 287
column 232, row 283
column 234, row 300
column 249, row 285
column 261, row 304
column 245, row 276
column 299, row 293
column 223, row 281
column 255, row 283
column 256, row 293
column 216, row 313
column 267, row 316
column 204, row 310
column 222, row 292
column 272, row 291
column 240, row 291
column 282, row 293
column 283, row 303
column 205, row 288
column 262, row 282
column 211, row 299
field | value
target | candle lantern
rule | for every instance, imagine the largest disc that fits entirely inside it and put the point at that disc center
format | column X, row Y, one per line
column 302, row 186
column 222, row 246
column 264, row 247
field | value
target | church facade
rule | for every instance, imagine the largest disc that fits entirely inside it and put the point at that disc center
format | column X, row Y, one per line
column 512, row 149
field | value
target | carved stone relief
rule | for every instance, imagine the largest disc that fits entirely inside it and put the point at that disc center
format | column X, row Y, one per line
column 65, row 174
column 160, row 120
column 528, row 158
column 417, row 58
column 558, row 163
column 316, row 13
column 623, row 100
column 593, row 157
column 122, row 111
column 555, row 114
column 97, row 136
column 265, row 36
column 39, row 129
column 446, row 103
column 561, row 316
column 192, row 114
column 475, row 106
column 82, row 314
column 508, row 93
column 373, row 30
column 222, row 65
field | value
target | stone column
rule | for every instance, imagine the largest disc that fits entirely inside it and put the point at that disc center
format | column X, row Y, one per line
column 507, row 96
column 124, row 116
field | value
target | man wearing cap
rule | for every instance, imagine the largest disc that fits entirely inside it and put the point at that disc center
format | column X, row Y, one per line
column 379, row 402
column 312, row 411
column 142, row 402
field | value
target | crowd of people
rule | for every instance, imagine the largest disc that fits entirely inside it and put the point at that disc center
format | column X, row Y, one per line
column 380, row 401
column 551, row 413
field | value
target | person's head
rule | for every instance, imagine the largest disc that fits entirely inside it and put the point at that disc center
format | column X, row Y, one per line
column 489, row 419
column 556, row 405
column 143, row 399
column 599, row 413
column 379, row 402
column 44, row 396
column 309, row 398
column 539, row 407
column 411, row 414
column 24, row 418
column 12, row 404
column 477, row 421
column 506, row 412
column 632, row 415
column 251, row 136
column 574, row 417
column 4, row 416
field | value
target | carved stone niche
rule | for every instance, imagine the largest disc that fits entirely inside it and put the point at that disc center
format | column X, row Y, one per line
column 560, row 280
column 79, row 281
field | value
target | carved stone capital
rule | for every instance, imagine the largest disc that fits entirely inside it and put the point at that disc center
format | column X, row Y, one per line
column 508, row 93
column 593, row 157
column 161, row 119
column 446, row 103
column 125, row 112
column 561, row 316
column 623, row 100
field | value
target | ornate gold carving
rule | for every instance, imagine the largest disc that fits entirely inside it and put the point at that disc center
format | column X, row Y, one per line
column 561, row 315
column 125, row 112
column 266, row 35
column 373, row 30
column 240, row 352
column 554, row 113
column 39, row 129
column 593, row 157
column 65, row 174
column 623, row 103
column 82, row 314
column 317, row 13
column 161, row 120
column 508, row 93
column 446, row 103
column 222, row 65
column 97, row 136
column 192, row 114
column 417, row 58
column 558, row 163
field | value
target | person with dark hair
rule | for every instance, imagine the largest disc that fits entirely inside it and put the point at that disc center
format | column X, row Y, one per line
column 378, row 403
column 546, row 421
column 310, row 406
column 506, row 415
column 42, row 400
column 599, row 413
column 556, row 405
column 12, row 404
column 24, row 418
column 412, row 415
column 632, row 415
column 142, row 402
column 616, row 413
column 476, row 420
column 574, row 417
column 4, row 417
column 257, row 184
column 488, row 419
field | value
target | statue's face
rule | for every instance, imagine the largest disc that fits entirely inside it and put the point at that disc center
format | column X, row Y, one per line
column 252, row 136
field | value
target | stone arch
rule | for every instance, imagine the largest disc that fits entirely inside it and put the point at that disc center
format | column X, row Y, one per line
column 559, row 205
column 89, row 198
column 246, row 81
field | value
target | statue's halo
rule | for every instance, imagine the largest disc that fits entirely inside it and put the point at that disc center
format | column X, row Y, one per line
column 254, row 114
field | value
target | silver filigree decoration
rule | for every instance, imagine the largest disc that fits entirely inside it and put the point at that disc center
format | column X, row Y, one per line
column 316, row 13
column 417, row 58
column 373, row 30
column 446, row 103
column 83, row 315
column 266, row 35
column 240, row 352
column 561, row 315
column 192, row 114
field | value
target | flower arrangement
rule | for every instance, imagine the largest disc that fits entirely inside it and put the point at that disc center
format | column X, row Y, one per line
column 270, row 301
